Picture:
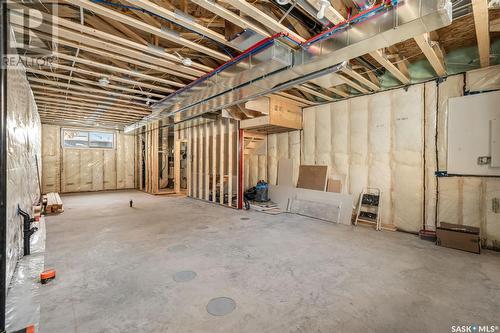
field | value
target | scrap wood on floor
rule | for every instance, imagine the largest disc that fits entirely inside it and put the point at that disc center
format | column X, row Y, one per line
column 53, row 203
column 268, row 207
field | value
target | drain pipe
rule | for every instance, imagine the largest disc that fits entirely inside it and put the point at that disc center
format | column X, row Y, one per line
column 3, row 160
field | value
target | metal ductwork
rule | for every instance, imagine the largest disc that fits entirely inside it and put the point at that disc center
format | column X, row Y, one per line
column 278, row 63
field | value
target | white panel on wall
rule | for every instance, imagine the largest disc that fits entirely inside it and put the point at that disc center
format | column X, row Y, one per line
column 470, row 134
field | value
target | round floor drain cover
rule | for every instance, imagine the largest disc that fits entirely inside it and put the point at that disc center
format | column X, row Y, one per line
column 244, row 218
column 221, row 306
column 184, row 276
column 177, row 248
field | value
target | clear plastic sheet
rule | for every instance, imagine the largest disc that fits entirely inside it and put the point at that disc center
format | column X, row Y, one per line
column 23, row 300
column 23, row 150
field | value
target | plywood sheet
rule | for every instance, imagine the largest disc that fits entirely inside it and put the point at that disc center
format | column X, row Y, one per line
column 312, row 177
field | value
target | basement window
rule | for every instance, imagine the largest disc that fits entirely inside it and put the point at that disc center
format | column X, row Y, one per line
column 88, row 139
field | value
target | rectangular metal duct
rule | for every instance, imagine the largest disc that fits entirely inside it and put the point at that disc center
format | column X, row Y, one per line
column 270, row 70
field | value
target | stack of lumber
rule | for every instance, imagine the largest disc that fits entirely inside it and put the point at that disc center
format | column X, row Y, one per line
column 266, row 207
column 54, row 203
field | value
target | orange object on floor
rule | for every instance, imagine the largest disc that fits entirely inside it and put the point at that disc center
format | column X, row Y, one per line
column 29, row 329
column 47, row 275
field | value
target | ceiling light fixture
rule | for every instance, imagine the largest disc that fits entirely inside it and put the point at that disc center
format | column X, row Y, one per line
column 103, row 81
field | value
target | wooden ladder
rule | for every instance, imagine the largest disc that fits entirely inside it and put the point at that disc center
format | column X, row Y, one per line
column 369, row 205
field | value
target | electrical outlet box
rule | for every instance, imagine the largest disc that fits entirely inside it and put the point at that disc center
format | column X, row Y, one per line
column 474, row 135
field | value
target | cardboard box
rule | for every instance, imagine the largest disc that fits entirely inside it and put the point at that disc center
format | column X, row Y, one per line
column 460, row 237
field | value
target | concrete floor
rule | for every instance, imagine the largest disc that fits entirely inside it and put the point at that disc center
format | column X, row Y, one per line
column 286, row 273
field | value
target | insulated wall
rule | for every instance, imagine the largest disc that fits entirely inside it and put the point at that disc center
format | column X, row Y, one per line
column 23, row 154
column 373, row 141
column 395, row 141
column 86, row 169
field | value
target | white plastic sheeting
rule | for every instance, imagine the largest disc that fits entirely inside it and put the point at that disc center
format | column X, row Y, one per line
column 23, row 150
column 79, row 170
column 483, row 79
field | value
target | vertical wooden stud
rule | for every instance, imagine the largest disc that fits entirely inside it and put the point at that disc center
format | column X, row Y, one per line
column 221, row 161
column 214, row 161
column 200, row 162
column 189, row 162
column 195, row 161
column 177, row 161
column 207, row 161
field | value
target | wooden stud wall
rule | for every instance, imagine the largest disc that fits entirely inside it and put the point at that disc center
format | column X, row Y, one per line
column 212, row 160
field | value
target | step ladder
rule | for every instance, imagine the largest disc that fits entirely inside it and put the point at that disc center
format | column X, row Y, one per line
column 368, row 212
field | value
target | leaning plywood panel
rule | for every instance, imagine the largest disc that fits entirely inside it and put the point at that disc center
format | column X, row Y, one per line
column 408, row 188
column 51, row 158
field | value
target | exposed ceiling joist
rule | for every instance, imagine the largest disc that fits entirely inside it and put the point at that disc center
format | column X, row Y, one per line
column 263, row 18
column 229, row 16
column 61, row 101
column 87, row 89
column 167, row 35
column 432, row 53
column 69, row 92
column 106, row 41
column 96, row 102
column 180, row 20
column 380, row 57
column 481, row 22
column 312, row 91
column 360, row 78
column 31, row 61
column 90, row 82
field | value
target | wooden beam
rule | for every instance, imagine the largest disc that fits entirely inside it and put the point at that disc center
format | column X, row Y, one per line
column 143, row 16
column 312, row 91
column 105, row 41
column 87, row 95
column 301, row 101
column 434, row 58
column 113, row 68
column 495, row 25
column 481, row 23
column 230, row 155
column 230, row 16
column 31, row 61
column 360, row 78
column 83, row 114
column 128, row 32
column 214, row 161
column 87, row 89
column 94, row 83
column 112, row 14
column 98, row 103
column 207, row 162
column 221, row 160
column 201, row 157
column 142, row 62
column 50, row 100
column 180, row 20
column 263, row 18
column 88, row 110
column 379, row 56
column 194, row 146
